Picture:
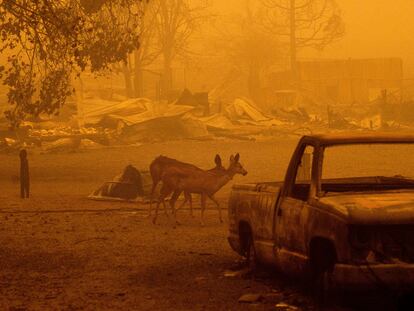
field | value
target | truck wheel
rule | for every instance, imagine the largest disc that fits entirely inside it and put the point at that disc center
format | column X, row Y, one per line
column 322, row 263
column 251, row 254
column 323, row 289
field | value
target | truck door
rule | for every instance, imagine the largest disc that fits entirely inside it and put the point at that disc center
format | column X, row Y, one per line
column 293, row 209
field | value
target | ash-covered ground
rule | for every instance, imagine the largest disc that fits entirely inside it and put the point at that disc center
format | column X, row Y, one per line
column 61, row 251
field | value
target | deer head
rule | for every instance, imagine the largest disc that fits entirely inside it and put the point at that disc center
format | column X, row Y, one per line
column 235, row 166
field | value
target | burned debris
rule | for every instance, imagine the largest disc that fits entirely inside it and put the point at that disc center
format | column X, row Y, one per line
column 131, row 185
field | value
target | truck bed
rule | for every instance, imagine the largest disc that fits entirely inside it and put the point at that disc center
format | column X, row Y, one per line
column 271, row 186
column 253, row 204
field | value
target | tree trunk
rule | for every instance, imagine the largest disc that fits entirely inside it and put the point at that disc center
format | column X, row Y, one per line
column 167, row 78
column 128, row 80
column 78, row 85
column 138, row 77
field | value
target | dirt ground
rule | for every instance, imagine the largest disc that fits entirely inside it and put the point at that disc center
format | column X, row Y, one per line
column 61, row 251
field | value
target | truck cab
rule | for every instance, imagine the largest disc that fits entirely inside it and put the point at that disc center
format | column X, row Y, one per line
column 357, row 227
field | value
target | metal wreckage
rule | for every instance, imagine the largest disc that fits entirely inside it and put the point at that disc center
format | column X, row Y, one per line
column 344, row 233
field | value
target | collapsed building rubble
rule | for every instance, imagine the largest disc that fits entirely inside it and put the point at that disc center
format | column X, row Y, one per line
column 140, row 120
column 181, row 120
column 199, row 101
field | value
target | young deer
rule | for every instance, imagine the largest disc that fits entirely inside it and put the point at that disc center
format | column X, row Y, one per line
column 161, row 164
column 176, row 180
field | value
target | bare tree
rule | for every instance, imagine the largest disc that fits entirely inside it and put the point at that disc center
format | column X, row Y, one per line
column 176, row 22
column 136, row 63
column 165, row 33
column 247, row 47
column 148, row 51
column 306, row 23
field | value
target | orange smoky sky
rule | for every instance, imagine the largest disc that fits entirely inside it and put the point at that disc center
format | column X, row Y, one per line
column 374, row 28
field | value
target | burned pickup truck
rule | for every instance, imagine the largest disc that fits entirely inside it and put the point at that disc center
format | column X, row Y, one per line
column 344, row 213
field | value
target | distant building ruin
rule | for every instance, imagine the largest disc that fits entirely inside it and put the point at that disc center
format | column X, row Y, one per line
column 338, row 82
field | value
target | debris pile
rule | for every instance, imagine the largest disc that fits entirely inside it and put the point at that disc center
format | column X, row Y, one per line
column 131, row 185
column 100, row 122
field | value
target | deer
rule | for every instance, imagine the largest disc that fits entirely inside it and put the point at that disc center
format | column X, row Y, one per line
column 162, row 163
column 176, row 180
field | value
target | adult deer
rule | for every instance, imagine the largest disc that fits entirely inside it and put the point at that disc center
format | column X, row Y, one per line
column 176, row 180
column 162, row 164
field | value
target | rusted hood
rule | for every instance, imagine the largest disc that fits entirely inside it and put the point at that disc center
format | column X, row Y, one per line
column 373, row 208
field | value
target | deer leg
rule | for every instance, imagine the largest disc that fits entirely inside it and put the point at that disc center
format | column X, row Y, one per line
column 154, row 220
column 203, row 207
column 165, row 208
column 173, row 200
column 183, row 203
column 163, row 194
column 154, row 185
column 163, row 199
column 212, row 198
column 181, row 206
column 188, row 198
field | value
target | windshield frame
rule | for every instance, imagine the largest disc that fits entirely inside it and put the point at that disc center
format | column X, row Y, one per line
column 317, row 175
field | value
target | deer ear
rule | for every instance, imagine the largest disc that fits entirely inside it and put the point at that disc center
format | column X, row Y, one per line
column 237, row 158
column 217, row 160
column 232, row 158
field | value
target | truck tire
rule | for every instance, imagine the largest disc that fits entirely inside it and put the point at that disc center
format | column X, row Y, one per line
column 323, row 289
column 322, row 263
column 251, row 254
